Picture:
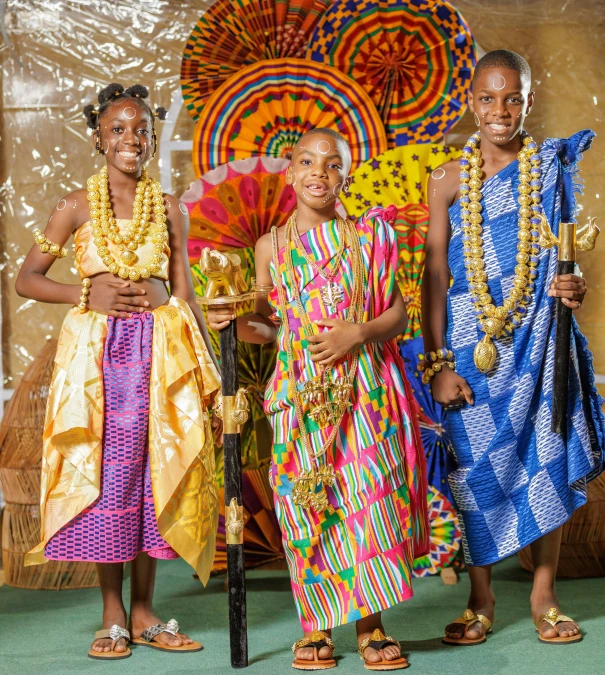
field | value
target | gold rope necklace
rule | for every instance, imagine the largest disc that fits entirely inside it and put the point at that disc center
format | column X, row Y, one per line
column 328, row 399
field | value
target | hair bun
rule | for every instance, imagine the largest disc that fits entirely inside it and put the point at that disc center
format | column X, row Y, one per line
column 137, row 90
column 161, row 113
column 110, row 91
column 91, row 116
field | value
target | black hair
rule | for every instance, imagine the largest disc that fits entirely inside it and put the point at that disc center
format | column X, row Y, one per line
column 113, row 93
column 504, row 58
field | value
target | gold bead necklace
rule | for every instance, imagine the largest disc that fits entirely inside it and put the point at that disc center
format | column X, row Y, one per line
column 148, row 198
column 502, row 320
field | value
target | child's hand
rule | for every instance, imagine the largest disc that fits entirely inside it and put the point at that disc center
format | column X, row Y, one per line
column 570, row 288
column 220, row 316
column 328, row 347
column 451, row 390
column 116, row 298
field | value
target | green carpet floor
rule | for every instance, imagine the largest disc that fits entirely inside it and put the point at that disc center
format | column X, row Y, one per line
column 49, row 633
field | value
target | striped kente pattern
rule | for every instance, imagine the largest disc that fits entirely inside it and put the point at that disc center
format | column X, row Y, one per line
column 355, row 559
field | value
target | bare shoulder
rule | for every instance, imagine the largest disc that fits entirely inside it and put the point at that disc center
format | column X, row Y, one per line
column 174, row 206
column 264, row 245
column 444, row 182
column 72, row 209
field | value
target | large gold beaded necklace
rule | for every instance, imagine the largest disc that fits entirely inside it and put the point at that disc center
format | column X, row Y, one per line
column 328, row 399
column 148, row 196
column 498, row 321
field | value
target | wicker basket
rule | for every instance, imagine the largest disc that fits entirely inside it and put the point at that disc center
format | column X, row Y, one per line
column 20, row 459
column 583, row 539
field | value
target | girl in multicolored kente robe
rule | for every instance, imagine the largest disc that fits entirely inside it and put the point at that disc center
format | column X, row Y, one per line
column 515, row 482
column 348, row 469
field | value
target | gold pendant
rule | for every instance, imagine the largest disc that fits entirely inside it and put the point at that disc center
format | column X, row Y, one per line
column 485, row 354
column 310, row 488
column 327, row 400
column 128, row 257
column 332, row 294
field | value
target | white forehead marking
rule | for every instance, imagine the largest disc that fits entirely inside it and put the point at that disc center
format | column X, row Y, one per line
column 183, row 208
column 322, row 149
column 130, row 113
column 61, row 204
column 438, row 173
column 498, row 82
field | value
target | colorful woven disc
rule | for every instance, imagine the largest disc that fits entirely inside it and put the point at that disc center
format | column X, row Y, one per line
column 266, row 107
column 415, row 59
column 233, row 34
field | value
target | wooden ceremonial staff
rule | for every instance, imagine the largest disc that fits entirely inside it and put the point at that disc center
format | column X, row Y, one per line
column 567, row 242
column 226, row 286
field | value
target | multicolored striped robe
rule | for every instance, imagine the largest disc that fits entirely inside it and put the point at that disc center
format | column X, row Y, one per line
column 356, row 558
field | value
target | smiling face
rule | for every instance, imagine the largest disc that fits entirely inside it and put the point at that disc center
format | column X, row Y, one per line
column 501, row 100
column 125, row 132
column 319, row 170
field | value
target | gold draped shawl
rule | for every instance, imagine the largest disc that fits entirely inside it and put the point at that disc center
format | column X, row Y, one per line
column 180, row 437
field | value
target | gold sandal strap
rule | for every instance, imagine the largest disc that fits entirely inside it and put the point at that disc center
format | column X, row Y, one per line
column 315, row 637
column 469, row 617
column 377, row 636
column 553, row 618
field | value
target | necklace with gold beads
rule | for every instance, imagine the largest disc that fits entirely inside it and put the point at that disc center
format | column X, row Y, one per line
column 148, row 198
column 497, row 321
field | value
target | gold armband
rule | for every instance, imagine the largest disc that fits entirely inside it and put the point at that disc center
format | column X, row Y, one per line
column 83, row 304
column 48, row 246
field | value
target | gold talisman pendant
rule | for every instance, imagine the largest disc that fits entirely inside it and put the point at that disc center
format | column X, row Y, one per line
column 485, row 354
column 310, row 488
column 332, row 294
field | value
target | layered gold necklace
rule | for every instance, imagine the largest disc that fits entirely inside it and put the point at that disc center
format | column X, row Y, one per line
column 327, row 399
column 148, row 198
column 496, row 321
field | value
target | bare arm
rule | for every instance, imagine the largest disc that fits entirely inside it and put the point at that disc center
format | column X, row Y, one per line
column 181, row 283
column 447, row 387
column 256, row 328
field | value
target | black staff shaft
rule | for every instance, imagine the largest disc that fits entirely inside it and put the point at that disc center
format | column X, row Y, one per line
column 562, row 350
column 233, row 489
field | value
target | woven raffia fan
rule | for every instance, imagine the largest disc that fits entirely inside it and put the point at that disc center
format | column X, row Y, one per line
column 20, row 459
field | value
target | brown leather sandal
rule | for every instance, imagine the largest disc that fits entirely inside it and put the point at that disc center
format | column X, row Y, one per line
column 115, row 633
column 378, row 640
column 553, row 618
column 147, row 638
column 317, row 640
column 468, row 619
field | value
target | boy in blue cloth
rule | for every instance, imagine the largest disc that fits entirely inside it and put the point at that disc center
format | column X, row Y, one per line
column 515, row 482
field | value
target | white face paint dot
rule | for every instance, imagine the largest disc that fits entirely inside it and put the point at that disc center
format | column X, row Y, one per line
column 61, row 205
column 323, row 147
column 183, row 208
column 498, row 82
column 130, row 113
column 438, row 173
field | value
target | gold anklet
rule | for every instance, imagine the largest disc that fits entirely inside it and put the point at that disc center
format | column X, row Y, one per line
column 83, row 304
column 48, row 246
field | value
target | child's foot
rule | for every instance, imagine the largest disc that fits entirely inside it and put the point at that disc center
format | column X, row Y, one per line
column 390, row 652
column 476, row 630
column 308, row 653
column 110, row 618
column 540, row 606
column 141, row 619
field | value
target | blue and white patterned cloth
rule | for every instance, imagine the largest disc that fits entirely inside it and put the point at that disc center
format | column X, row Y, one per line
column 512, row 478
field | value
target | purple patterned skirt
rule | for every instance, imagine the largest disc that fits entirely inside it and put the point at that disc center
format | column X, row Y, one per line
column 121, row 522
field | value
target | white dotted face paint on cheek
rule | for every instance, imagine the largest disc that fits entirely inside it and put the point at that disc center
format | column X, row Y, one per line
column 61, row 204
column 336, row 189
column 438, row 173
column 183, row 209
column 323, row 147
column 130, row 113
column 498, row 82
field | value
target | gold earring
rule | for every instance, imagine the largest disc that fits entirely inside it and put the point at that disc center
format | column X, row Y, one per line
column 97, row 142
column 154, row 140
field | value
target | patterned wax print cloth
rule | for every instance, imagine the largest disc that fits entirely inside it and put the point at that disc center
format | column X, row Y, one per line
column 355, row 558
column 512, row 478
